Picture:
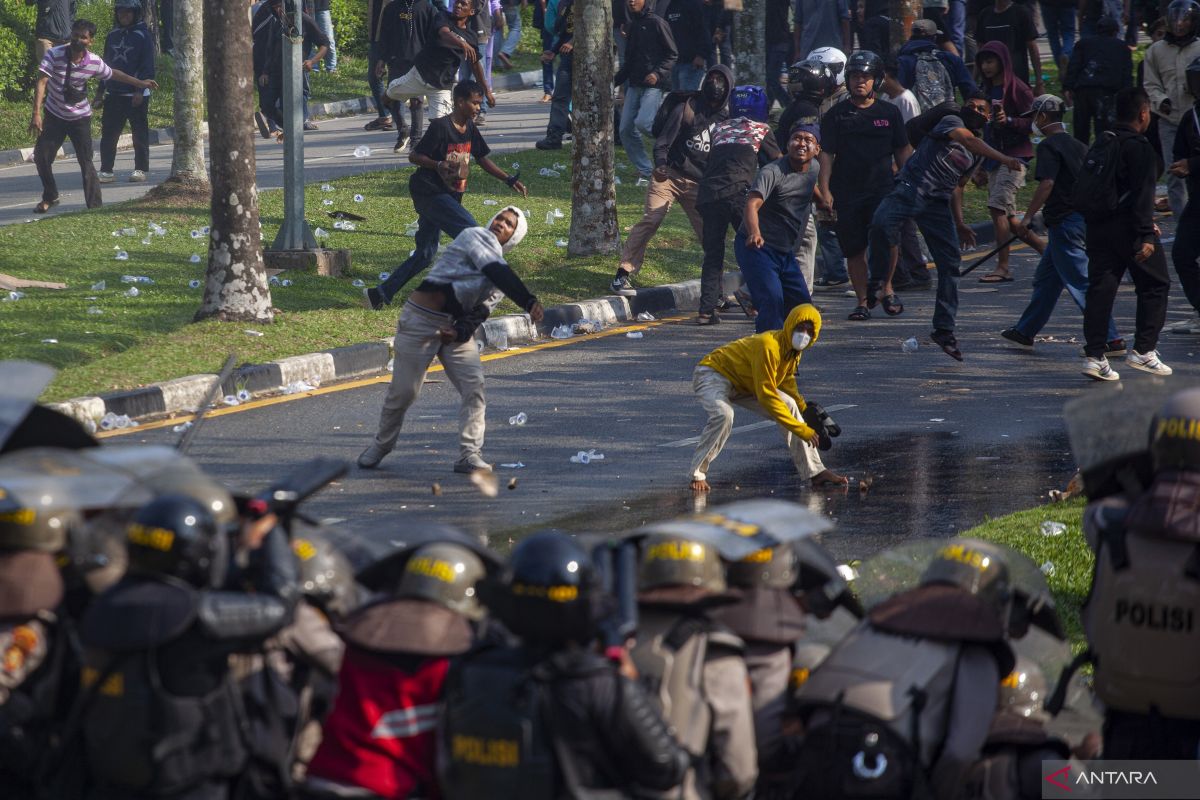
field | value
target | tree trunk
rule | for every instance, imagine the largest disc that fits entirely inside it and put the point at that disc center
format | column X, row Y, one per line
column 187, row 160
column 236, row 287
column 750, row 42
column 593, row 193
column 150, row 17
column 902, row 13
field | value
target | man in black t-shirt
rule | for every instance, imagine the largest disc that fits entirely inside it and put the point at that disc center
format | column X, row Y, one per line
column 435, row 68
column 443, row 157
column 869, row 137
column 274, row 17
column 1012, row 24
column 1064, row 265
column 779, row 49
column 404, row 27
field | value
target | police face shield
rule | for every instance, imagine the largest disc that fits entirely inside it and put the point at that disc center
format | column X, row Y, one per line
column 1181, row 18
column 164, row 470
column 24, row 423
column 71, row 476
column 1109, row 429
column 738, row 530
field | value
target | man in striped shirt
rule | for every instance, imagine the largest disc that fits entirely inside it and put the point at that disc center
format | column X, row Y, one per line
column 62, row 88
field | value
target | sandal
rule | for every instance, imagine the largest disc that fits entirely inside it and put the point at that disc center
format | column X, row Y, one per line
column 743, row 299
column 44, row 206
column 859, row 314
column 891, row 305
column 708, row 319
column 995, row 277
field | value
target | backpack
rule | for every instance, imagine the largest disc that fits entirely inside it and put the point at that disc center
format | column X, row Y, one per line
column 669, row 103
column 1095, row 195
column 932, row 84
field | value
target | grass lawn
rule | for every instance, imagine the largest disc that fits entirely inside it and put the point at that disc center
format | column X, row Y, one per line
column 1072, row 560
column 138, row 340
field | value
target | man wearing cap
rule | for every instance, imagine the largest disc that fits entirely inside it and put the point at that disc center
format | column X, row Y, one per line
column 775, row 217
column 35, row 660
column 1065, row 262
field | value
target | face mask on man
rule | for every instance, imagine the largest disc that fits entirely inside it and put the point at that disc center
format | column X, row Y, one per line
column 800, row 340
column 713, row 91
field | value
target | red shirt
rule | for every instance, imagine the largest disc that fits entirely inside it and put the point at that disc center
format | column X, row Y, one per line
column 380, row 735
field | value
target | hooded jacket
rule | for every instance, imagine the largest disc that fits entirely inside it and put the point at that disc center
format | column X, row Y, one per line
column 130, row 50
column 906, row 60
column 1010, row 137
column 649, row 47
column 686, row 20
column 1166, row 75
column 765, row 364
column 686, row 138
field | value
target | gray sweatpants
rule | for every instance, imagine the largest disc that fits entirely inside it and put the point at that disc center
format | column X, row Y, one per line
column 718, row 397
column 417, row 342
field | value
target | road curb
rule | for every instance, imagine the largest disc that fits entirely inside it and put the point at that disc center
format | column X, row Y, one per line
column 334, row 108
column 284, row 375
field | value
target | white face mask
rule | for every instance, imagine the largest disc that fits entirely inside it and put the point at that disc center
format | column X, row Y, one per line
column 800, row 340
column 1037, row 131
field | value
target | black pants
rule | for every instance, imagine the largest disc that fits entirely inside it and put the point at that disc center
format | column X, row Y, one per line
column 118, row 108
column 560, row 101
column 1093, row 113
column 1186, row 251
column 54, row 131
column 1132, row 736
column 1110, row 247
column 717, row 218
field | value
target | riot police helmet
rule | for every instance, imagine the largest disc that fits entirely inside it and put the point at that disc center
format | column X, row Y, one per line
column 669, row 561
column 810, row 80
column 552, row 594
column 1024, row 690
column 772, row 568
column 174, row 536
column 1175, row 432
column 445, row 574
column 42, row 524
column 977, row 568
column 1182, row 16
column 326, row 576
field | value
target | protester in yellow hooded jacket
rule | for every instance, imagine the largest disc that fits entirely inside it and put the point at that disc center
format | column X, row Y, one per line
column 759, row 373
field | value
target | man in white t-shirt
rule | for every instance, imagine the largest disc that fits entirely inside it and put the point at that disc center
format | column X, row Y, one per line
column 895, row 93
column 62, row 89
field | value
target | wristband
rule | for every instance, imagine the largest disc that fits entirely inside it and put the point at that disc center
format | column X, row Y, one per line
column 511, row 180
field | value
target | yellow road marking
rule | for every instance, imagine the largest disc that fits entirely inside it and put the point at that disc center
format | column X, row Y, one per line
column 358, row 384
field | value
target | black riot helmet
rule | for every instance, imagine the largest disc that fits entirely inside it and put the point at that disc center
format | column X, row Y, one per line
column 1193, row 78
column 552, row 595
column 176, row 537
column 1182, row 16
column 867, row 63
column 810, row 80
column 1175, row 432
column 977, row 568
column 326, row 576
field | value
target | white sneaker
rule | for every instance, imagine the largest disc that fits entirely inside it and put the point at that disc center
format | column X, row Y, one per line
column 138, row 176
column 106, row 177
column 1149, row 362
column 1098, row 369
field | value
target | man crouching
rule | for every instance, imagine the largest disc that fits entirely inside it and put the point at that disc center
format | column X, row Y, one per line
column 759, row 373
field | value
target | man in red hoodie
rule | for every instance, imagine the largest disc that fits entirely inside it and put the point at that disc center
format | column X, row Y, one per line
column 1007, row 131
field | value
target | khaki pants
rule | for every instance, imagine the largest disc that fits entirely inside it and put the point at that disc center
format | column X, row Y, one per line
column 718, row 398
column 659, row 198
column 411, row 84
column 806, row 252
column 417, row 342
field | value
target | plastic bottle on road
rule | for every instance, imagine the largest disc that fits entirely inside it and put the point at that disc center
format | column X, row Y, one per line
column 910, row 345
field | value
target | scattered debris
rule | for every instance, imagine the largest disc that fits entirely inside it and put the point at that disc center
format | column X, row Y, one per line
column 1050, row 528
column 586, row 457
column 513, row 465
column 132, row 291
column 518, row 419
column 512, row 483
column 183, row 427
column 559, row 332
column 122, row 255
column 634, row 335
column 12, row 282
column 252, row 333
column 486, row 482
column 864, row 485
column 910, row 345
column 645, row 316
column 436, row 489
column 193, row 284
column 1048, row 569
column 358, row 198
column 362, row 151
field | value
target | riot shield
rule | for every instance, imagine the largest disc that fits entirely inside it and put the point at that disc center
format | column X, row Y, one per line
column 24, row 423
column 741, row 529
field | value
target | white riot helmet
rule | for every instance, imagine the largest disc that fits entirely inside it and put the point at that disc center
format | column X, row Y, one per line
column 833, row 58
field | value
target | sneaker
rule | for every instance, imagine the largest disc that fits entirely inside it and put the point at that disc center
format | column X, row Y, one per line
column 137, row 176
column 1098, row 369
column 370, row 458
column 1016, row 337
column 106, row 177
column 947, row 341
column 621, row 284
column 1191, row 326
column 1149, row 362
column 402, row 142
column 472, row 463
column 310, row 126
column 548, row 144
column 826, row 285
column 850, row 293
column 264, row 127
column 372, row 299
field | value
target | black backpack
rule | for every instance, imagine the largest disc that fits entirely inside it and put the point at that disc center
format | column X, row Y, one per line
column 1096, row 195
column 669, row 103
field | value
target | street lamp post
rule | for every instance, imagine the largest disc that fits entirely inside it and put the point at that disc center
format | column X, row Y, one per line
column 294, row 234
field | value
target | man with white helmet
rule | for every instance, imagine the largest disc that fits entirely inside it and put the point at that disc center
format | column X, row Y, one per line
column 836, row 61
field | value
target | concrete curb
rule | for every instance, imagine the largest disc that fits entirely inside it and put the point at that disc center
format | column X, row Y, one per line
column 183, row 395
column 335, row 108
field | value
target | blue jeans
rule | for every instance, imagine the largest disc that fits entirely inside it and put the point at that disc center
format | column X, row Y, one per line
column 325, row 23
column 1064, row 265
column 831, row 264
column 512, row 18
column 686, row 77
column 936, row 222
column 775, row 282
column 777, row 61
column 1060, row 28
column 637, row 115
column 437, row 214
column 956, row 20
column 548, row 67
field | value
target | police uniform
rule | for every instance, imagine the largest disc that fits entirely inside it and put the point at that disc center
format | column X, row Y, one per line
column 550, row 718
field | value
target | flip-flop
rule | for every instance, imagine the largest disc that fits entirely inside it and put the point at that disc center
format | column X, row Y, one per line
column 995, row 278
column 859, row 314
column 43, row 206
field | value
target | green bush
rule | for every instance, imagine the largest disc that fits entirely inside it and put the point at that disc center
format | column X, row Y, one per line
column 16, row 48
column 350, row 27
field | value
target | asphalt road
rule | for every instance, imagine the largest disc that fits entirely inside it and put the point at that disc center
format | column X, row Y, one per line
column 515, row 124
column 944, row 444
